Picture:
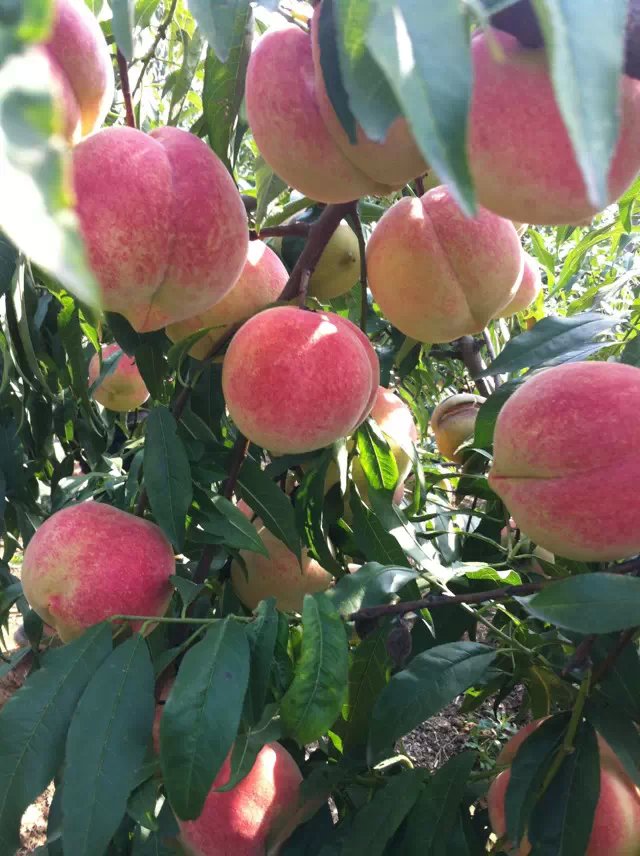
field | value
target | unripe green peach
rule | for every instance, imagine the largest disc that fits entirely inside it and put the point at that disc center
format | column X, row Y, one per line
column 438, row 275
column 338, row 269
column 262, row 279
column 91, row 561
column 123, row 389
column 566, row 463
column 453, row 423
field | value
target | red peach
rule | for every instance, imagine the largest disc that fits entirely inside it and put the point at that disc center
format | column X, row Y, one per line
column 80, row 60
column 438, row 275
column 395, row 419
column 453, row 422
column 285, row 120
column 566, row 463
column 164, row 225
column 306, row 395
column 261, row 283
column 91, row 561
column 393, row 162
column 238, row 822
column 521, row 157
column 278, row 575
column 528, row 289
column 124, row 388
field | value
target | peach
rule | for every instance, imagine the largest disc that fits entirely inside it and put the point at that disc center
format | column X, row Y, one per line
column 239, row 821
column 438, row 275
column 528, row 289
column 520, row 154
column 453, row 422
column 393, row 162
column 566, row 463
column 295, row 381
column 124, row 388
column 164, row 225
column 338, row 268
column 80, row 61
column 91, row 561
column 278, row 575
column 261, row 282
column 616, row 821
column 284, row 115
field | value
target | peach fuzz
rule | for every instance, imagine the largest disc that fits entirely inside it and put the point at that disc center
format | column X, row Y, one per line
column 79, row 58
column 394, row 161
column 438, row 275
column 261, row 282
column 284, row 116
column 238, row 822
column 278, row 575
column 528, row 289
column 121, row 390
column 164, row 225
column 566, row 460
column 520, row 154
column 295, row 381
column 453, row 422
column 91, row 561
column 616, row 821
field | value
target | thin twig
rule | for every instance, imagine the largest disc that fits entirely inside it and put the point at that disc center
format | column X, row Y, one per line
column 160, row 35
column 294, row 229
column 356, row 225
column 126, row 89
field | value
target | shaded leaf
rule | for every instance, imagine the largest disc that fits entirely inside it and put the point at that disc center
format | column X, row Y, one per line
column 218, row 22
column 271, row 505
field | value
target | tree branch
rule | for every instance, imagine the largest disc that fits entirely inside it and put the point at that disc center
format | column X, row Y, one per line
column 473, row 362
column 126, row 89
column 609, row 662
column 294, row 229
column 356, row 225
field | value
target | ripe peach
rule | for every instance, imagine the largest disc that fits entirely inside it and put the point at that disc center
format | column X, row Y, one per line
column 164, row 225
column 528, row 289
column 521, row 157
column 438, row 275
column 306, row 395
column 239, row 821
column 277, row 575
column 284, row 116
column 338, row 269
column 616, row 822
column 261, row 282
column 121, row 390
column 453, row 422
column 393, row 162
column 565, row 460
column 90, row 561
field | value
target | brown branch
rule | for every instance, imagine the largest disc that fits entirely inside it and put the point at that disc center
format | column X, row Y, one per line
column 294, row 229
column 581, row 656
column 319, row 236
column 432, row 601
column 608, row 663
column 126, row 89
column 473, row 362
column 356, row 225
column 419, row 183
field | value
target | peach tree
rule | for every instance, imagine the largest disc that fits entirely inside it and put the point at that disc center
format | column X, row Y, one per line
column 319, row 419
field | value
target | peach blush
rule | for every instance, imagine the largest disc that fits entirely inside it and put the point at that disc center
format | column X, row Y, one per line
column 528, row 290
column 453, row 422
column 124, row 388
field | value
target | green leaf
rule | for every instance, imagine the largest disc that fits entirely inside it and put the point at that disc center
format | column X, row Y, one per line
column 218, row 21
column 561, row 821
column 372, row 539
column 122, row 26
column 106, row 744
column 631, row 353
column 313, row 701
column 34, row 722
column 377, row 822
column 268, row 187
column 587, row 82
column 228, row 523
column 201, row 716
column 589, row 603
column 248, row 744
column 621, row 684
column 551, row 338
column 152, row 365
column 191, row 52
column 167, row 476
column 436, row 812
column 8, row 259
column 423, row 49
column 431, row 681
column 270, row 504
column 309, row 510
column 262, row 634
column 370, row 585
column 375, row 456
column 619, row 731
column 43, row 224
column 488, row 413
column 224, row 85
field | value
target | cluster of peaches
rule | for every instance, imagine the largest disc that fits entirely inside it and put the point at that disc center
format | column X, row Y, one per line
column 166, row 235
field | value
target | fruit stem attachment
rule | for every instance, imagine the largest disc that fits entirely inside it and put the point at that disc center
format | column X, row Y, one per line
column 126, row 89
